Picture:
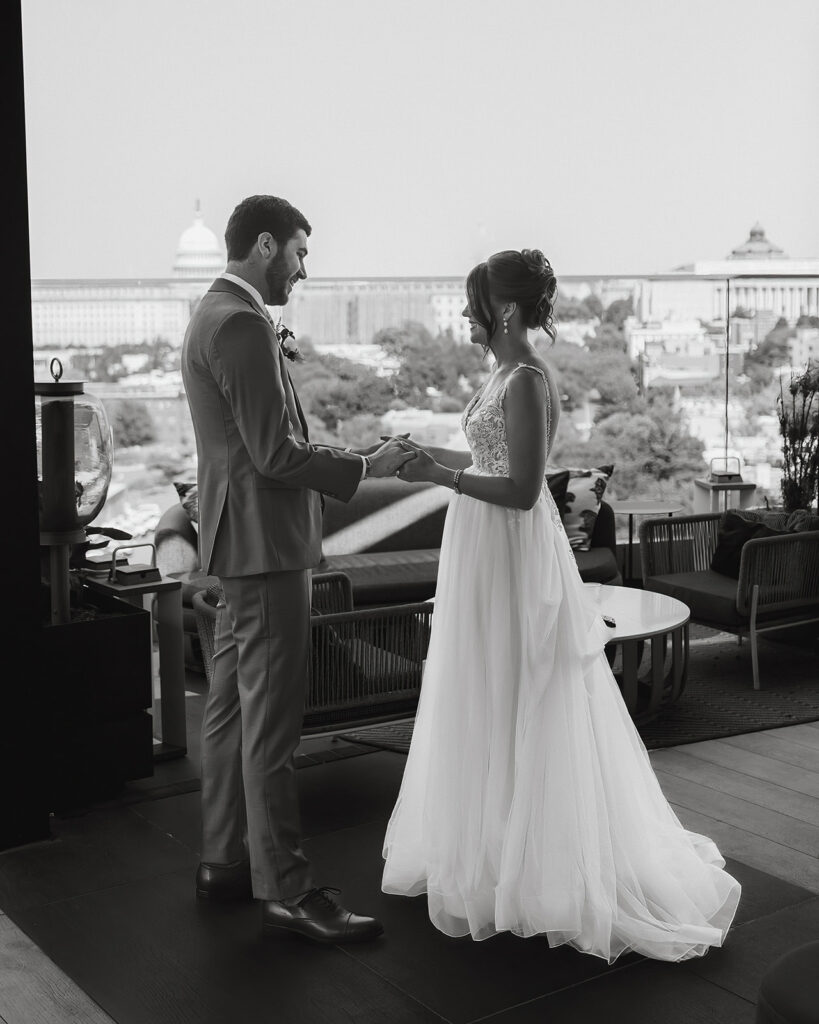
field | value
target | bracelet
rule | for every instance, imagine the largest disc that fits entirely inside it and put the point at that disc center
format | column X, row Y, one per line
column 457, row 481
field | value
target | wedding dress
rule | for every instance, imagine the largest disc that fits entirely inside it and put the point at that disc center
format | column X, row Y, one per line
column 528, row 802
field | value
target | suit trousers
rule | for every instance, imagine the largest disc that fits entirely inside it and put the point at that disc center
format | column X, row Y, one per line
column 251, row 728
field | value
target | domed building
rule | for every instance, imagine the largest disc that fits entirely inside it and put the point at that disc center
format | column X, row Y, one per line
column 757, row 247
column 199, row 254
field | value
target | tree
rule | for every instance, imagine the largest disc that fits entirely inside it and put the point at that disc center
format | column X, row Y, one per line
column 607, row 337
column 572, row 365
column 618, row 312
column 611, row 375
column 333, row 391
column 653, row 452
column 428, row 361
column 131, row 423
column 569, row 308
column 774, row 350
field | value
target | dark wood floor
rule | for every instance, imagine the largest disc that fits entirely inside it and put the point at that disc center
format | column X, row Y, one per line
column 101, row 924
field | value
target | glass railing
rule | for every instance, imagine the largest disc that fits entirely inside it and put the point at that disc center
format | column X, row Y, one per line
column 669, row 378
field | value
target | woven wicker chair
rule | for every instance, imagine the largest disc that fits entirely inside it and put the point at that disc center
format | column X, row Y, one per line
column 365, row 664
column 778, row 584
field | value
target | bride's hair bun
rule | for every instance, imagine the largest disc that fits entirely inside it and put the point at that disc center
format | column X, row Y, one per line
column 536, row 262
column 524, row 277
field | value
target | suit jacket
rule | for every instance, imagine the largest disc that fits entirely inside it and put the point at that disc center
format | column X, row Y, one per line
column 259, row 477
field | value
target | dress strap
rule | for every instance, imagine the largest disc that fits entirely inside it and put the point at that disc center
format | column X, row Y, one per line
column 523, row 366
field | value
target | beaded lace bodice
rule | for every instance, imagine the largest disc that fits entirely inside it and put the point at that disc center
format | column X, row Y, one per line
column 485, row 428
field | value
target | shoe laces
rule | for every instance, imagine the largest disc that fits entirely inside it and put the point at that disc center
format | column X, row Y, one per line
column 323, row 896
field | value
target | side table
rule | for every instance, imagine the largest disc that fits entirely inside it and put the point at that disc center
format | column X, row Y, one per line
column 709, row 495
column 169, row 725
column 640, row 507
column 639, row 617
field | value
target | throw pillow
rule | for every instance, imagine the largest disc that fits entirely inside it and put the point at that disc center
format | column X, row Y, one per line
column 584, row 492
column 189, row 496
column 734, row 533
column 802, row 519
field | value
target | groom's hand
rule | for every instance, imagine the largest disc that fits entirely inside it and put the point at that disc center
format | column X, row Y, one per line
column 373, row 448
column 389, row 458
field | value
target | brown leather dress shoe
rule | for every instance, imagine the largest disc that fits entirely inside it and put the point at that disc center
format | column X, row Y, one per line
column 315, row 915
column 224, row 881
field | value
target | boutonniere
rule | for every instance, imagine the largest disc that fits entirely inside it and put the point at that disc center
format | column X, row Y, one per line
column 286, row 340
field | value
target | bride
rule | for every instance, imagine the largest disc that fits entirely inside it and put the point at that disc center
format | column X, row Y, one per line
column 528, row 802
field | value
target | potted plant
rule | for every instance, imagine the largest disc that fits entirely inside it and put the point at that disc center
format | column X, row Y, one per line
column 798, row 413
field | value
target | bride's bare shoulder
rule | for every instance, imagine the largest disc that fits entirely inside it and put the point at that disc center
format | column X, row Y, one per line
column 537, row 363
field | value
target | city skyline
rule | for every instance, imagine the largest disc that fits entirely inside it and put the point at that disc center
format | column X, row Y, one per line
column 417, row 139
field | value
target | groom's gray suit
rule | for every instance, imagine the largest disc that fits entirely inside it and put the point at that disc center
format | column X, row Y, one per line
column 260, row 532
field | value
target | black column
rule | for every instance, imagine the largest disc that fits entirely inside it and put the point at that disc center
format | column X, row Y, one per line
column 23, row 803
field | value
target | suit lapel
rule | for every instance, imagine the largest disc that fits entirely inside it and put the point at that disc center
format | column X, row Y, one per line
column 299, row 410
column 221, row 284
column 290, row 391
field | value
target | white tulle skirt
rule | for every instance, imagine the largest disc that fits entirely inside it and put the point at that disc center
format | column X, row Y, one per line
column 529, row 803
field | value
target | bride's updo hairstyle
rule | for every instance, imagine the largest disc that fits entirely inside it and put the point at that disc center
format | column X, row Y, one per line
column 525, row 278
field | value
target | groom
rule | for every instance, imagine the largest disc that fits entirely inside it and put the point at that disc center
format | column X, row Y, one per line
column 260, row 485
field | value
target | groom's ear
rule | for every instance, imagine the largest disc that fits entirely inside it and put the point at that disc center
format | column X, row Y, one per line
column 266, row 245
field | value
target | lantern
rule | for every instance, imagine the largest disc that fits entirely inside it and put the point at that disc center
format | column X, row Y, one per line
column 75, row 456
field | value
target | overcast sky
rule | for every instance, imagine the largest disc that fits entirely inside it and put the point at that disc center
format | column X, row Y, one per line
column 419, row 136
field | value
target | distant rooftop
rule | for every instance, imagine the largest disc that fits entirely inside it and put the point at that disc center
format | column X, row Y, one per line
column 756, row 247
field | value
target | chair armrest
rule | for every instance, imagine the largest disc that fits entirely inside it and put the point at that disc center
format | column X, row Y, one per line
column 786, row 570
column 678, row 543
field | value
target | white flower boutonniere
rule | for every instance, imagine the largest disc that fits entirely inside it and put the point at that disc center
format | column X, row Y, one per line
column 286, row 340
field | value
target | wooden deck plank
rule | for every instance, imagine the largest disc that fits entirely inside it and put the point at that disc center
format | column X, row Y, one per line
column 802, row 734
column 727, row 781
column 780, row 748
column 757, row 766
column 761, row 821
column 763, row 854
column 33, row 990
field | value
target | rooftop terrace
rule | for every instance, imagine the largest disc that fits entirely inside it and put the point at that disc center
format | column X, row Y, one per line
column 100, row 923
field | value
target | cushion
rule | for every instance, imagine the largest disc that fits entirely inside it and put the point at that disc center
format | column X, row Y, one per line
column 389, row 577
column 735, row 531
column 801, row 520
column 711, row 596
column 584, row 493
column 189, row 496
column 597, row 565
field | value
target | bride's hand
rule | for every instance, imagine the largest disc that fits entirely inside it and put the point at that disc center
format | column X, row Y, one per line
column 417, row 469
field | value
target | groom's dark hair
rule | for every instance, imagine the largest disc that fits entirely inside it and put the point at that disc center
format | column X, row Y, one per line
column 257, row 214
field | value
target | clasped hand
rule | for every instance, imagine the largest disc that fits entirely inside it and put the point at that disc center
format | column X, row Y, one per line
column 418, row 464
column 389, row 457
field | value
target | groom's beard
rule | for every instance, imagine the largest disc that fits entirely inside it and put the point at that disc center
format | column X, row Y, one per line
column 277, row 278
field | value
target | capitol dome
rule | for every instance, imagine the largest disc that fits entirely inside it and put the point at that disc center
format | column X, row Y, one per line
column 756, row 247
column 199, row 253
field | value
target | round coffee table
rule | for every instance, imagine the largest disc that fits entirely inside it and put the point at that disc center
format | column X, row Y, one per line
column 641, row 616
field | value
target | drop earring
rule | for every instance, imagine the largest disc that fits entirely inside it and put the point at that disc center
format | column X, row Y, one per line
column 505, row 326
